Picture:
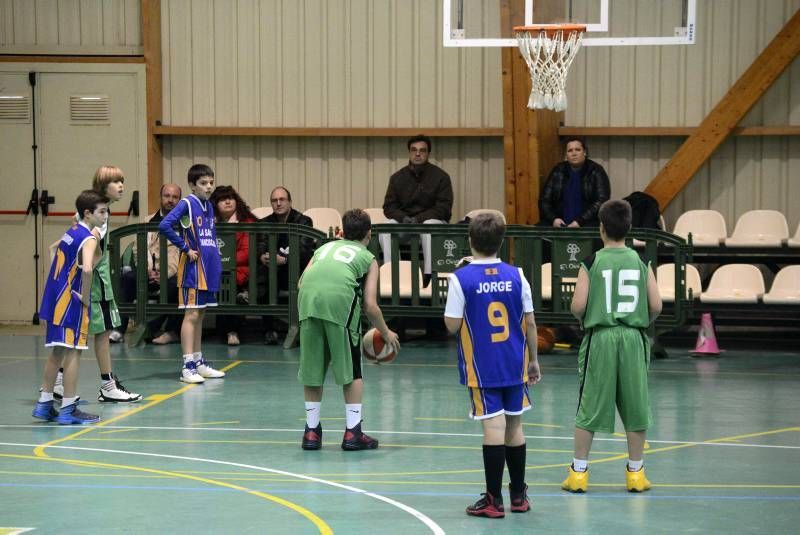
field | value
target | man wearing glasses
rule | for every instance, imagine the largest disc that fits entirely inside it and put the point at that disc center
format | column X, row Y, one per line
column 282, row 212
column 418, row 193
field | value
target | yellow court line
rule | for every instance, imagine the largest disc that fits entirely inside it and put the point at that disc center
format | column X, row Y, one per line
column 317, row 521
column 39, row 450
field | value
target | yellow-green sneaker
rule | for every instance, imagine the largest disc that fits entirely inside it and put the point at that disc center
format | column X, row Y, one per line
column 576, row 481
column 636, row 481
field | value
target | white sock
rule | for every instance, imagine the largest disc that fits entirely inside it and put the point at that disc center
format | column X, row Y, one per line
column 66, row 402
column 353, row 414
column 312, row 413
column 188, row 358
column 580, row 465
column 60, row 378
column 635, row 466
column 197, row 356
column 45, row 396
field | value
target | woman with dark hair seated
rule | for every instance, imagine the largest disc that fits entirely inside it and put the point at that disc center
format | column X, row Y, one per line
column 229, row 207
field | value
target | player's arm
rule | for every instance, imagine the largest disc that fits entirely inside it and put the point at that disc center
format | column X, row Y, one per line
column 87, row 260
column 581, row 295
column 532, row 341
column 373, row 311
column 454, row 306
column 167, row 228
column 531, row 334
column 653, row 296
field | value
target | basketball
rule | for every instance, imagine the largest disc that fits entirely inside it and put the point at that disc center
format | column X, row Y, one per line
column 546, row 339
column 375, row 349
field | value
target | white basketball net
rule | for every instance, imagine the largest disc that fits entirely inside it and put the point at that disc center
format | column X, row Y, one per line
column 549, row 58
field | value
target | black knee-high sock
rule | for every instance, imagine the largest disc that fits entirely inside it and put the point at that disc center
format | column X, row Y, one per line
column 515, row 459
column 494, row 458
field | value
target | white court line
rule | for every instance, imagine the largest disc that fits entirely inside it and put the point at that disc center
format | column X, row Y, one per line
column 433, row 526
column 411, row 433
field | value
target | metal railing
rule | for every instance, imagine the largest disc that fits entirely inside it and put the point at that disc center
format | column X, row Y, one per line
column 524, row 246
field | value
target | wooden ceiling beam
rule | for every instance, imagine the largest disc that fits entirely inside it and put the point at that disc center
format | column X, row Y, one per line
column 722, row 120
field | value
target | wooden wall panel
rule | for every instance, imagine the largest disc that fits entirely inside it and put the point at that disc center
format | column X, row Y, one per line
column 337, row 172
column 93, row 27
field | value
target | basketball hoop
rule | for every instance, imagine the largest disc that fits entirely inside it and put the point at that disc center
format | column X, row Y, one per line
column 549, row 49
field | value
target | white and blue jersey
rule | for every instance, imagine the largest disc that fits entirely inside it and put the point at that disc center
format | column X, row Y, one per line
column 492, row 297
column 196, row 219
column 66, row 315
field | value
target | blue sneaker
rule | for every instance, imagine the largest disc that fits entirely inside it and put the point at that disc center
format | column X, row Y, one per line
column 72, row 415
column 44, row 410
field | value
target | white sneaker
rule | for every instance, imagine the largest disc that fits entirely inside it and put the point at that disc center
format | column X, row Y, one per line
column 205, row 369
column 114, row 392
column 189, row 373
column 116, row 337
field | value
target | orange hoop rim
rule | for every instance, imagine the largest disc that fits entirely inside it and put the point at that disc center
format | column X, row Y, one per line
column 551, row 29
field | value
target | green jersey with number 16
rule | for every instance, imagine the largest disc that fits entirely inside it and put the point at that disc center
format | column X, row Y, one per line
column 332, row 286
column 617, row 289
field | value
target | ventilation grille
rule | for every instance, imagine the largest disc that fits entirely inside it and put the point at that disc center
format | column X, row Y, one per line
column 15, row 109
column 89, row 109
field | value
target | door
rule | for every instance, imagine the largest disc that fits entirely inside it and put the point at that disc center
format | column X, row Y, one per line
column 82, row 120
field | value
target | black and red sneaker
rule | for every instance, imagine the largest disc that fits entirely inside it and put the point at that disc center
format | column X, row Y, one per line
column 488, row 506
column 354, row 440
column 519, row 500
column 312, row 438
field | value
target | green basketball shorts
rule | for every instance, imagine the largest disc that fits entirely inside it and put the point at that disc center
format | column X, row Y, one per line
column 612, row 369
column 326, row 344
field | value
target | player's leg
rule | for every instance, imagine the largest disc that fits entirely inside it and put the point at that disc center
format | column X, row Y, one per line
column 516, row 401
column 189, row 328
column 345, row 354
column 44, row 409
column 597, row 372
column 487, row 406
column 70, row 414
column 633, row 403
column 314, row 360
column 107, row 318
column 203, row 365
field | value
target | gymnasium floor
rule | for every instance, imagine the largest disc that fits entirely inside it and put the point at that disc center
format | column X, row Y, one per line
column 224, row 457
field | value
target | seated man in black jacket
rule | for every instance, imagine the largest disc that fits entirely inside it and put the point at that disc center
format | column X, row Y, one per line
column 574, row 190
column 282, row 212
column 418, row 193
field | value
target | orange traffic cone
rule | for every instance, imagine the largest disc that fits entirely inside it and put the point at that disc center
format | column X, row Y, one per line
column 706, row 337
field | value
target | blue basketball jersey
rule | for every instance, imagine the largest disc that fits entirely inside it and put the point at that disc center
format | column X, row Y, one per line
column 491, row 343
column 59, row 305
column 196, row 219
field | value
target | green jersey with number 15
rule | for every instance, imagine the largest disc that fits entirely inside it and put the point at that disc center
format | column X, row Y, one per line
column 617, row 289
column 332, row 286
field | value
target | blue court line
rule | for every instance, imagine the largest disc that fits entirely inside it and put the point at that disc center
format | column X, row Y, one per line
column 621, row 496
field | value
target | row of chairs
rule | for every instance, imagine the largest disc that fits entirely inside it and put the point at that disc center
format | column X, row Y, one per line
column 756, row 228
column 734, row 283
column 731, row 283
column 326, row 218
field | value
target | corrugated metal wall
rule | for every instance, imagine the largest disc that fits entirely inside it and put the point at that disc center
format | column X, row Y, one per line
column 678, row 86
column 380, row 63
column 328, row 63
column 102, row 27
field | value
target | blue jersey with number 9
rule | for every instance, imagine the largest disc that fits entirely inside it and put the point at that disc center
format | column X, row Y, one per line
column 491, row 343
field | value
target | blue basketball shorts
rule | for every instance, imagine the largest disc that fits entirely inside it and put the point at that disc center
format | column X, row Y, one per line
column 194, row 298
column 490, row 402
